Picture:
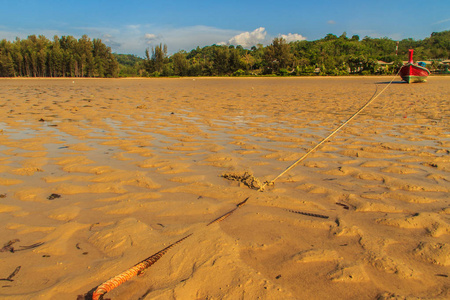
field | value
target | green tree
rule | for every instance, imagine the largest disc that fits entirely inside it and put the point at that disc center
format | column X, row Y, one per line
column 278, row 55
column 6, row 64
column 221, row 60
column 180, row 64
column 234, row 61
column 155, row 62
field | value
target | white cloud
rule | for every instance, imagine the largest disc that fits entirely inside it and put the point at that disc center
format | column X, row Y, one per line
column 11, row 35
column 135, row 38
column 188, row 38
column 248, row 39
column 110, row 41
column 441, row 21
column 93, row 32
column 150, row 38
column 292, row 37
column 133, row 27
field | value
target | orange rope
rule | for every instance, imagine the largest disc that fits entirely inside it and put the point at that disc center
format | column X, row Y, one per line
column 114, row 282
column 130, row 273
column 223, row 217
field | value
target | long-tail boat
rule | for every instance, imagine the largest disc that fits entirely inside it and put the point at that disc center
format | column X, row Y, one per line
column 411, row 72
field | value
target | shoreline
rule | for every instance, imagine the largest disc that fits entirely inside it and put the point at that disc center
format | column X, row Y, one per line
column 215, row 77
column 224, row 77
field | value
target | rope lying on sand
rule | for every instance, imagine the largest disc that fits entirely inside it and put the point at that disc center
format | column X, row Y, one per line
column 375, row 96
column 137, row 269
column 130, row 273
column 223, row 217
column 307, row 214
column 250, row 181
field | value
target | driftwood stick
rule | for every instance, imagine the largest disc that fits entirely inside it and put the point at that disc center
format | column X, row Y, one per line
column 345, row 206
column 8, row 246
column 10, row 277
column 30, row 246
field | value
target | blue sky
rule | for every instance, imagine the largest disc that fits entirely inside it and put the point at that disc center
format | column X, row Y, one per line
column 131, row 26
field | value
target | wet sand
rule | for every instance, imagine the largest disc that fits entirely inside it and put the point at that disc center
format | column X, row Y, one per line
column 107, row 172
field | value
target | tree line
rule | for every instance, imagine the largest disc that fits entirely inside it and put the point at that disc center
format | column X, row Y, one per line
column 65, row 56
column 331, row 55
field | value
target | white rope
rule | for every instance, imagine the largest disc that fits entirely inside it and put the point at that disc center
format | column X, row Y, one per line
column 328, row 137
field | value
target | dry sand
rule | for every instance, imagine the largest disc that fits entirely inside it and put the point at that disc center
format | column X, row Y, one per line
column 137, row 164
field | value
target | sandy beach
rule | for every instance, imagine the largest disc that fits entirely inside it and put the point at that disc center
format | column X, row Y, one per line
column 98, row 174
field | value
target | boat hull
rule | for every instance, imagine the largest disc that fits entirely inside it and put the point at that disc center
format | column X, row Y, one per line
column 413, row 73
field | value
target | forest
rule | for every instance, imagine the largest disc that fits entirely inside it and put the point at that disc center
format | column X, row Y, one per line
column 330, row 56
column 62, row 57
